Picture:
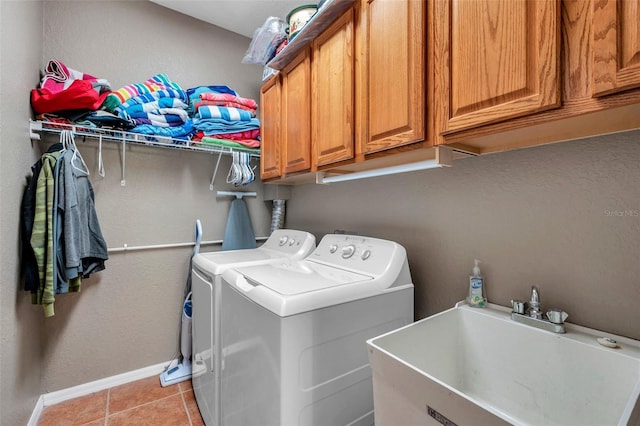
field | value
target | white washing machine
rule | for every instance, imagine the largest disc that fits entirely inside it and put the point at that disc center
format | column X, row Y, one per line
column 205, row 286
column 293, row 333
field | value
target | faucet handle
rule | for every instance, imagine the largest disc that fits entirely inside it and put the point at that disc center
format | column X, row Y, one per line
column 557, row 316
column 519, row 306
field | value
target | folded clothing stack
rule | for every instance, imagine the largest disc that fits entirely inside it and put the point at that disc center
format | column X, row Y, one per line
column 212, row 115
column 221, row 117
column 157, row 106
column 155, row 83
column 63, row 88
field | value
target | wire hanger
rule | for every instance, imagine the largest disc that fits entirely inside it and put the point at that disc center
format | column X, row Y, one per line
column 235, row 173
column 240, row 172
column 68, row 142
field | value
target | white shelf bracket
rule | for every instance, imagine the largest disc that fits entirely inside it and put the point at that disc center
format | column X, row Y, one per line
column 320, row 178
column 35, row 126
column 215, row 172
column 123, row 181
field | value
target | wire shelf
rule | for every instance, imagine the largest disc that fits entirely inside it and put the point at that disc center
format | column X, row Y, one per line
column 112, row 135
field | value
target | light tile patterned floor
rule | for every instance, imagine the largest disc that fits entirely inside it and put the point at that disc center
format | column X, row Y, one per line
column 139, row 403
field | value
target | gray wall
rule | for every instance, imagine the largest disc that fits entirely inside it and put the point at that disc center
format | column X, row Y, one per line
column 21, row 328
column 547, row 216
column 565, row 217
column 127, row 316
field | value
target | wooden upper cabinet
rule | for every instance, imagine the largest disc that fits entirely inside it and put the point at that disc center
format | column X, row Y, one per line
column 296, row 114
column 391, row 97
column 332, row 107
column 270, row 97
column 494, row 60
column 616, row 46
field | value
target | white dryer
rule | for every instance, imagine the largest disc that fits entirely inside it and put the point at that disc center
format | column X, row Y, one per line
column 293, row 333
column 206, row 278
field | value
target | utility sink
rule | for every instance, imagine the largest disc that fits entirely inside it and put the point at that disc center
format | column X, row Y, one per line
column 476, row 366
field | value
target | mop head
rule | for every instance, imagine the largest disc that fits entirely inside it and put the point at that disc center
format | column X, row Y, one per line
column 177, row 374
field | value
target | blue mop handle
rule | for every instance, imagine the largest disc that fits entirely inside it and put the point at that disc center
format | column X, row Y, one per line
column 196, row 249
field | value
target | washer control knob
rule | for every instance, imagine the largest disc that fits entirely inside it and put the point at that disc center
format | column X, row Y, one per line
column 348, row 251
column 283, row 240
column 292, row 242
column 366, row 254
column 333, row 248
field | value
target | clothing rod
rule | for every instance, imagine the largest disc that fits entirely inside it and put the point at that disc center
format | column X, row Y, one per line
column 126, row 247
column 237, row 194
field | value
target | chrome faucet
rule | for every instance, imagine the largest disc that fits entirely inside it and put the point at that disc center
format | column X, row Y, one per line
column 534, row 309
column 530, row 313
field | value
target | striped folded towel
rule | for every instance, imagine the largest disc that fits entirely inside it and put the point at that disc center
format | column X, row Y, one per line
column 225, row 113
column 156, row 108
column 201, row 103
column 156, row 83
column 219, row 125
column 164, row 98
column 160, row 120
column 224, row 97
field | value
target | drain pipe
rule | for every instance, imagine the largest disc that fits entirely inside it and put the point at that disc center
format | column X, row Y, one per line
column 277, row 215
column 278, row 195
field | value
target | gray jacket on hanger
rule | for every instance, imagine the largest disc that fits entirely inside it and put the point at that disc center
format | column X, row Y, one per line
column 85, row 249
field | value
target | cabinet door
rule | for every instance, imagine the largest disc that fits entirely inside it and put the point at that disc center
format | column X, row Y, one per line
column 616, row 46
column 332, row 108
column 495, row 59
column 296, row 115
column 270, row 96
column 392, row 96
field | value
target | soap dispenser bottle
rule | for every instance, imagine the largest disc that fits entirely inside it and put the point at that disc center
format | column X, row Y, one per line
column 476, row 297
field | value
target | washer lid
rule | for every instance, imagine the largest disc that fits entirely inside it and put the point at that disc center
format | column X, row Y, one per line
column 217, row 262
column 297, row 277
column 282, row 243
column 305, row 287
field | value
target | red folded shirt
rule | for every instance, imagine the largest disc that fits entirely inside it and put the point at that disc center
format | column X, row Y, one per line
column 81, row 94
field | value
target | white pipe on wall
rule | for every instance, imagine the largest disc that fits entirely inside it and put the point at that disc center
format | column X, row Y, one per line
column 125, row 247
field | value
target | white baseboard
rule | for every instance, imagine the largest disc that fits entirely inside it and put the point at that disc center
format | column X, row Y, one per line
column 37, row 411
column 62, row 395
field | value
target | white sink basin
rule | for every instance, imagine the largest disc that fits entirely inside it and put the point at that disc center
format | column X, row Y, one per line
column 472, row 366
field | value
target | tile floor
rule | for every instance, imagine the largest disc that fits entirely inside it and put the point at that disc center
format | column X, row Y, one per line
column 140, row 403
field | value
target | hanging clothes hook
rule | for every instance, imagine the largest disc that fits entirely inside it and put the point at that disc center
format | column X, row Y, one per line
column 215, row 172
column 123, row 182
column 101, row 171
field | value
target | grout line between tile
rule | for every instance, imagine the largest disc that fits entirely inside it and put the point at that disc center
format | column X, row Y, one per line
column 186, row 409
column 106, row 413
column 146, row 403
